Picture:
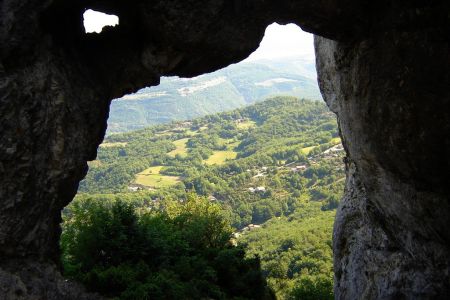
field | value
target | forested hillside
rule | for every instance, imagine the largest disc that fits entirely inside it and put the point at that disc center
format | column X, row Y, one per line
column 232, row 87
column 274, row 171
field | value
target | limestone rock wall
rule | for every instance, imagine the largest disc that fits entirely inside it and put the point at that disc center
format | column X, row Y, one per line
column 390, row 93
column 383, row 68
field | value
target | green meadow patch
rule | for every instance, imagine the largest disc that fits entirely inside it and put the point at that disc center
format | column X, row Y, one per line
column 152, row 178
column 116, row 144
column 306, row 150
column 219, row 157
column 181, row 147
column 246, row 124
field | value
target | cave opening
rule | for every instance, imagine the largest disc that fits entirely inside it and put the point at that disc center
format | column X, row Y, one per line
column 383, row 68
column 243, row 139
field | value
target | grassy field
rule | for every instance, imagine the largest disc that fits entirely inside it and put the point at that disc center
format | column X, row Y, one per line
column 232, row 145
column 224, row 142
column 246, row 124
column 306, row 150
column 94, row 163
column 117, row 144
column 150, row 177
column 181, row 147
column 219, row 157
column 191, row 132
column 163, row 133
column 335, row 140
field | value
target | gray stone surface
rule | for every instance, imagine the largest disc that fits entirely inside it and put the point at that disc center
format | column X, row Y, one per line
column 390, row 92
column 28, row 280
column 385, row 72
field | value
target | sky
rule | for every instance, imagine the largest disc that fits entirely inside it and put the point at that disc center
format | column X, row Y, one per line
column 284, row 41
column 279, row 40
column 94, row 21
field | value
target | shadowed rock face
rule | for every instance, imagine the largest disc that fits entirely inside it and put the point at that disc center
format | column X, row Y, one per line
column 383, row 68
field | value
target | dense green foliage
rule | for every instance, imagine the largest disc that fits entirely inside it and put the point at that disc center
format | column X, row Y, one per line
column 278, row 164
column 296, row 252
column 232, row 87
column 179, row 252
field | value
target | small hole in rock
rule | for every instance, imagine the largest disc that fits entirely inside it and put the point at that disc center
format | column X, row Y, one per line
column 95, row 21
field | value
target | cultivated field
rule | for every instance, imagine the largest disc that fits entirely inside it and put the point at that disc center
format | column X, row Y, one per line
column 150, row 177
column 181, row 147
column 219, row 157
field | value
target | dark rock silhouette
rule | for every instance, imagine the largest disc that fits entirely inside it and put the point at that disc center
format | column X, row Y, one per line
column 383, row 67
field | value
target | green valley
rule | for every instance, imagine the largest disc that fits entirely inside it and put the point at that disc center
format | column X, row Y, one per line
column 232, row 87
column 272, row 170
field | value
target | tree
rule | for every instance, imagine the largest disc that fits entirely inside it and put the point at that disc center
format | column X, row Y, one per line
column 182, row 252
column 313, row 288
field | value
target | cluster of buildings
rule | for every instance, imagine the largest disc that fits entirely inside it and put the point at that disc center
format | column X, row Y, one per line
column 261, row 189
column 134, row 187
column 299, row 168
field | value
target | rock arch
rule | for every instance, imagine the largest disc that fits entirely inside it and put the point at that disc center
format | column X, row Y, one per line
column 383, row 69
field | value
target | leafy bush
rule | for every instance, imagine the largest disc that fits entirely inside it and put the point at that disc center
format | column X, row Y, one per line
column 313, row 288
column 182, row 252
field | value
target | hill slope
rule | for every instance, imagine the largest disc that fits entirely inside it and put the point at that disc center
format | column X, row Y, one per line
column 232, row 87
column 274, row 167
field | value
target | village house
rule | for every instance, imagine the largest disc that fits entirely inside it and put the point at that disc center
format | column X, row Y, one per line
column 133, row 188
column 257, row 189
column 299, row 168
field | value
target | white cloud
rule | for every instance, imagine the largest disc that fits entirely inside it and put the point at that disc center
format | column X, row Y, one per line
column 284, row 41
column 94, row 21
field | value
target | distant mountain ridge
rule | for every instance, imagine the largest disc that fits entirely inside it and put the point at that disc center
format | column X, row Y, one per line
column 232, row 87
